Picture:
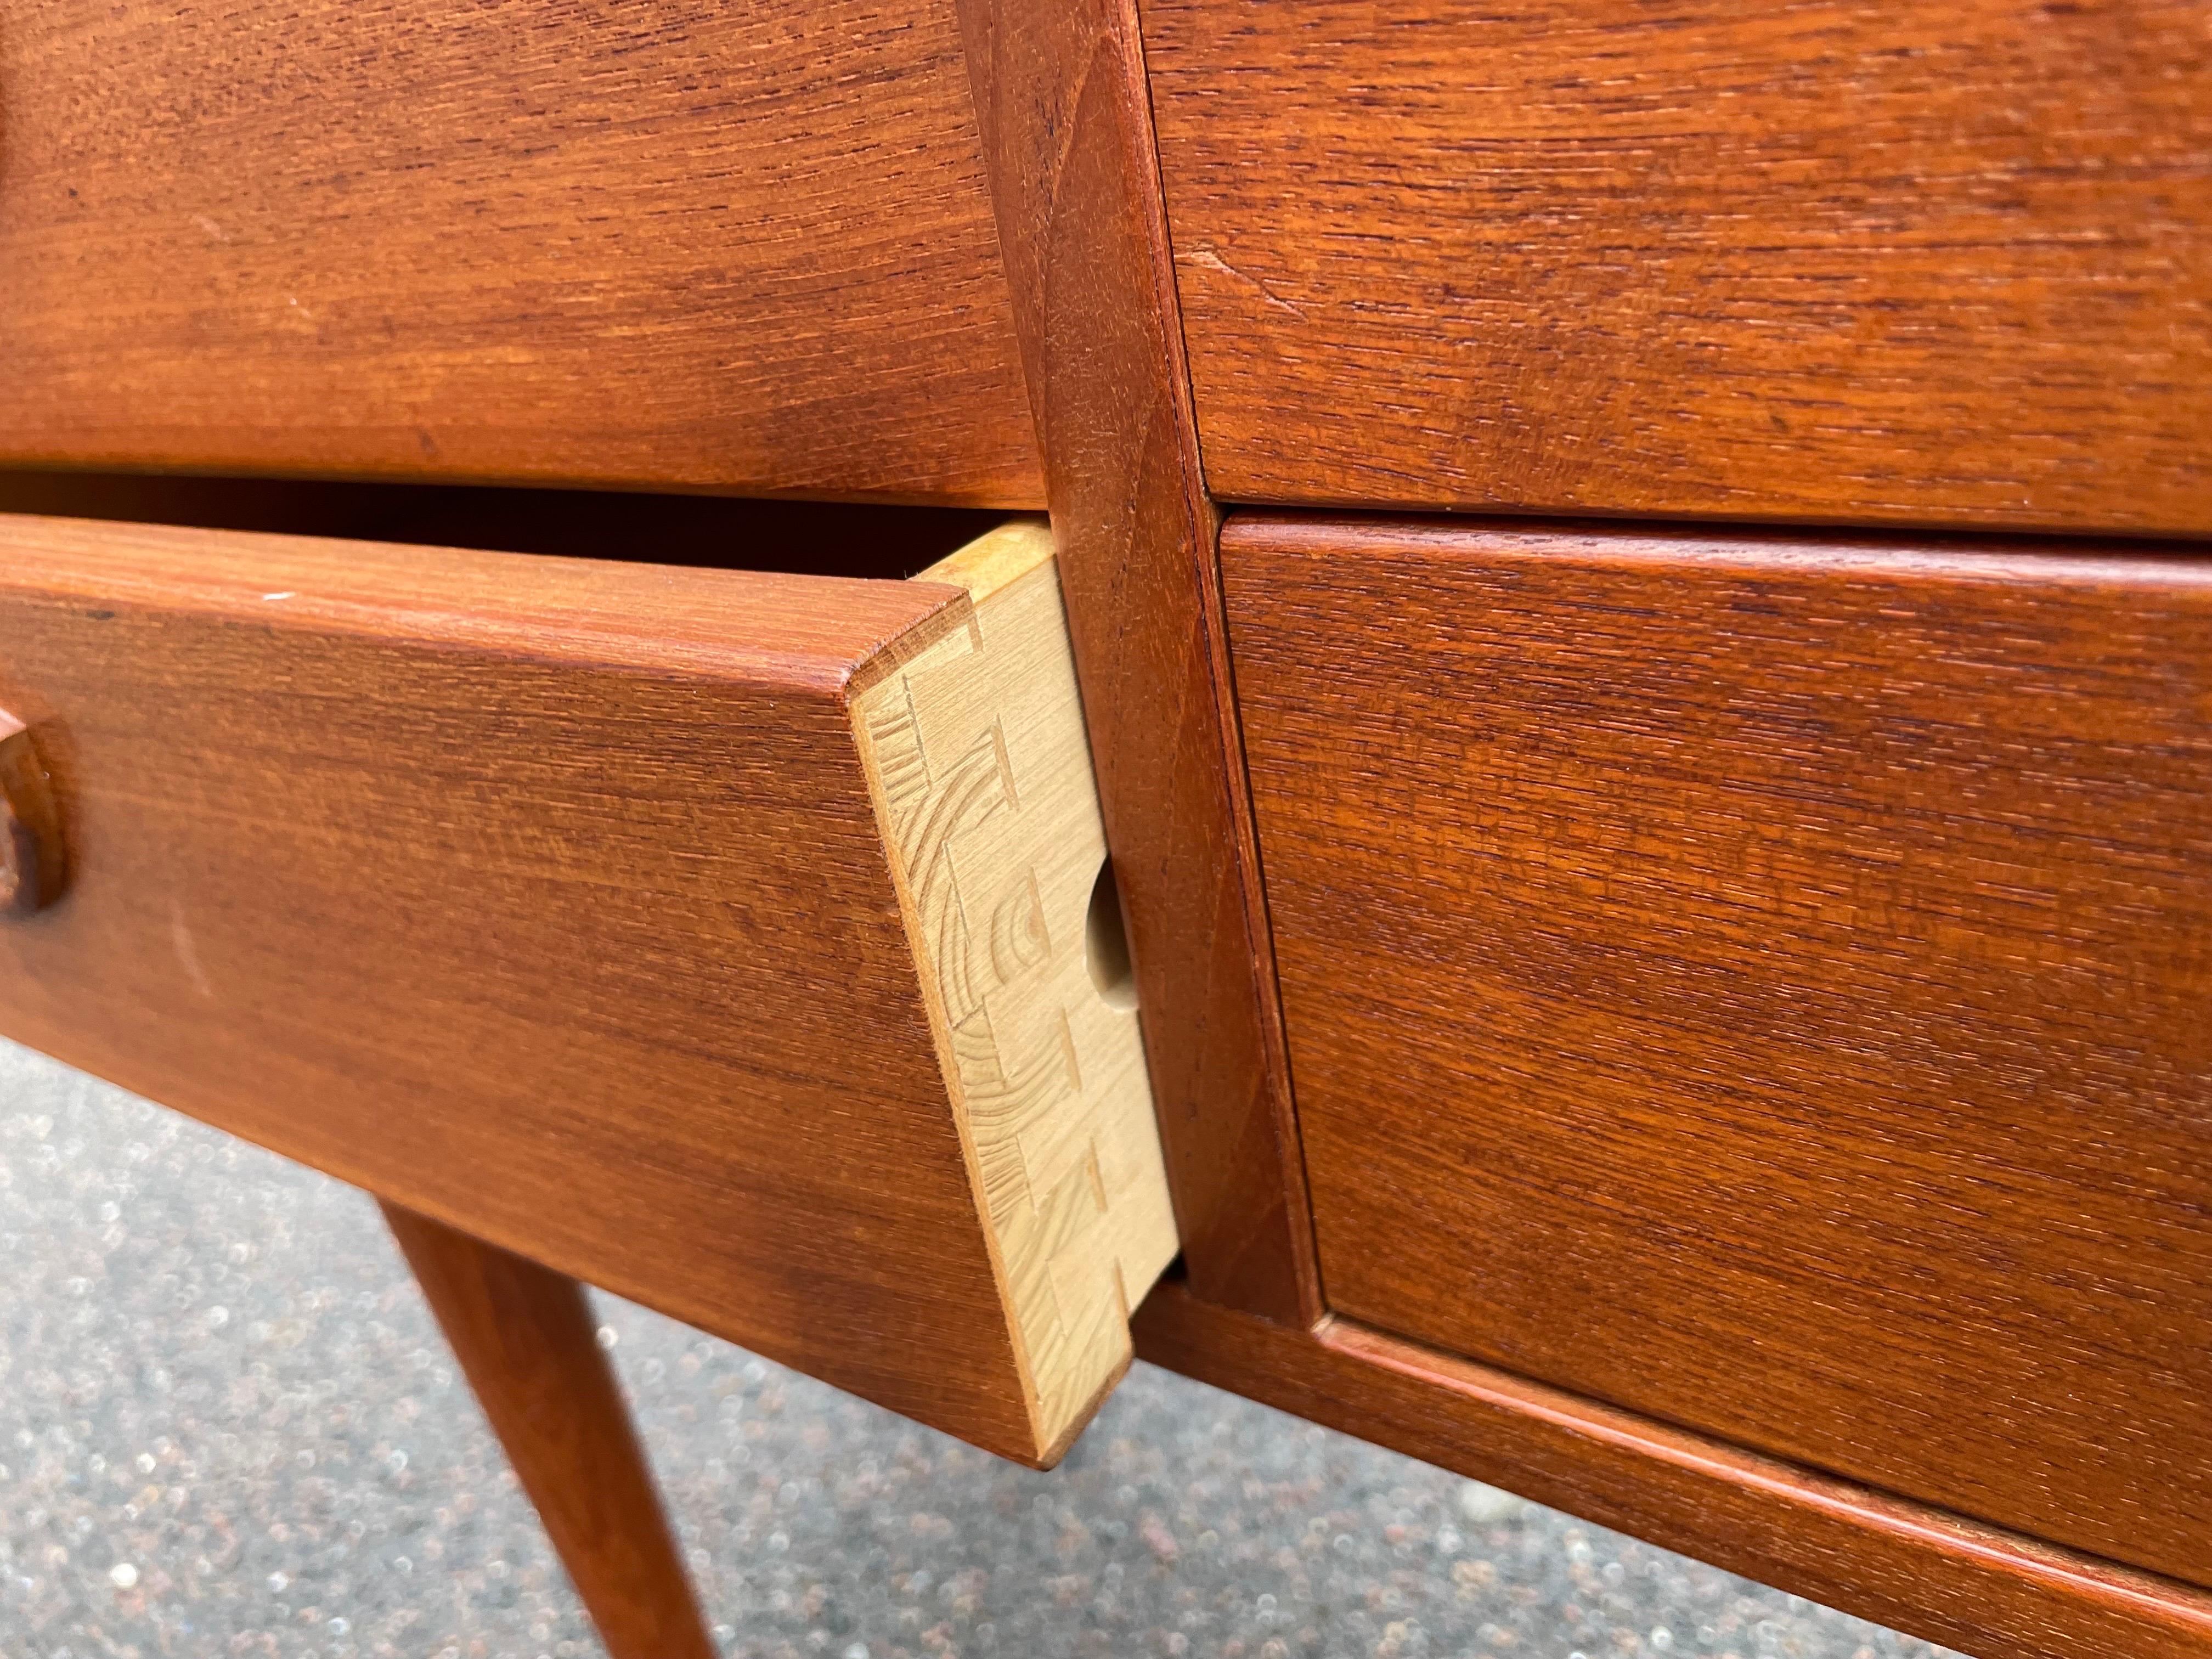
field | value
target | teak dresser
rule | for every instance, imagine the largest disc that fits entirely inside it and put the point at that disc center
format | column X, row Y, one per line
column 1625, row 587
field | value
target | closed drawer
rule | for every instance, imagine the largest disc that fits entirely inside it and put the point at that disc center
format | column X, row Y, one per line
column 718, row 938
column 746, row 248
column 1762, row 984
column 1849, row 263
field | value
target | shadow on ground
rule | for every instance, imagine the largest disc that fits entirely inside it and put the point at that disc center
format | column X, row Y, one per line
column 227, row 1427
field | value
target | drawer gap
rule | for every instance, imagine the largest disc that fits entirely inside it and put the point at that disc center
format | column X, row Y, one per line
column 871, row 540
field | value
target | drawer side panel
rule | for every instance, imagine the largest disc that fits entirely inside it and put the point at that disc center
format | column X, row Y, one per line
column 977, row 752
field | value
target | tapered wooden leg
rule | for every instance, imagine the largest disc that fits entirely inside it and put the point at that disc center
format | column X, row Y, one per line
column 524, row 1337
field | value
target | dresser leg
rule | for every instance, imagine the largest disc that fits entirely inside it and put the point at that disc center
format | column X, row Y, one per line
column 525, row 1336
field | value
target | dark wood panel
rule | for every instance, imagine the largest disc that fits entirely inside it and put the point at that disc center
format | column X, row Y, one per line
column 744, row 248
column 1761, row 984
column 1826, row 261
column 1060, row 98
column 528, row 1341
column 1985, row 1591
column 544, row 897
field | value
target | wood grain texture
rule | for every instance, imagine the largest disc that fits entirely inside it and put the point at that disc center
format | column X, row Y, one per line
column 1060, row 100
column 1985, row 1591
column 1831, row 262
column 544, row 897
column 1760, row 984
column 737, row 248
column 717, row 937
column 976, row 752
column 33, row 850
column 528, row 1342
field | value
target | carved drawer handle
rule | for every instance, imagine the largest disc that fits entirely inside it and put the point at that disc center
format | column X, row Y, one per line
column 32, row 864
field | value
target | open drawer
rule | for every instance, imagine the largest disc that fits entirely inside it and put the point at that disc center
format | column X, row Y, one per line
column 717, row 937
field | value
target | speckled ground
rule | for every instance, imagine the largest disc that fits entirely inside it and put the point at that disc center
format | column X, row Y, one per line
column 227, row 1427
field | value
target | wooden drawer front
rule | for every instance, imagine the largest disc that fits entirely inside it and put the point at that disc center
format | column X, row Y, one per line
column 582, row 907
column 1865, row 265
column 736, row 247
column 1763, row 984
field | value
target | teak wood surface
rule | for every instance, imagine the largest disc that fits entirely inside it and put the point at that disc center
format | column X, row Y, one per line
column 528, row 1343
column 1761, row 984
column 1796, row 263
column 551, row 900
column 744, row 248
column 1062, row 102
column 1826, row 262
column 1986, row 1591
column 33, row 857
